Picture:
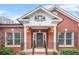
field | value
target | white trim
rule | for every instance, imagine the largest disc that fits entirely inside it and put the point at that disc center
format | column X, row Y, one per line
column 12, row 45
column 65, row 13
column 54, row 37
column 66, row 46
column 34, row 37
column 39, row 27
column 25, row 38
column 11, row 25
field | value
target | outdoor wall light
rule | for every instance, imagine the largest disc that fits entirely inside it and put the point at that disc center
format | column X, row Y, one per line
column 27, row 30
column 12, row 29
column 78, row 25
column 66, row 29
column 39, row 31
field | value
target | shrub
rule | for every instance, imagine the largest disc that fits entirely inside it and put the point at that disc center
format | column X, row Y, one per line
column 7, row 51
column 55, row 53
column 69, row 52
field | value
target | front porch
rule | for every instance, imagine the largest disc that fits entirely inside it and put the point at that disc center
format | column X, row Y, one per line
column 40, row 40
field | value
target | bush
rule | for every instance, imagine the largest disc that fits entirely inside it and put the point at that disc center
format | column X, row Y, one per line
column 7, row 51
column 55, row 53
column 69, row 52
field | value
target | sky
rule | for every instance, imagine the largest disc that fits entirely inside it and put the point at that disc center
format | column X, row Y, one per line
column 14, row 11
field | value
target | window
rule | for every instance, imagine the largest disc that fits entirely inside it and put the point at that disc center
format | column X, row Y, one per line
column 39, row 18
column 17, row 38
column 9, row 38
column 13, row 38
column 61, row 38
column 66, row 39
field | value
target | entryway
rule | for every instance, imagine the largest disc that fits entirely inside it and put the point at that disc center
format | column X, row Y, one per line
column 39, row 40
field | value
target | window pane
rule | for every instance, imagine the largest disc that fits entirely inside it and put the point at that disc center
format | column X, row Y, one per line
column 17, row 38
column 9, row 42
column 68, row 34
column 68, row 38
column 9, row 38
column 61, row 41
column 61, row 35
column 68, row 41
column 61, row 38
column 17, row 41
column 17, row 35
column 9, row 35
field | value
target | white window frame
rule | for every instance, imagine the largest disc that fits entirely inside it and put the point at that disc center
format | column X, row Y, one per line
column 6, row 45
column 72, row 42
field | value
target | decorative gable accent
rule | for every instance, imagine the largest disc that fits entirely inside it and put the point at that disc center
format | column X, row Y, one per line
column 40, row 16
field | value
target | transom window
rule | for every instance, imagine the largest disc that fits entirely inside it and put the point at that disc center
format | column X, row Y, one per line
column 66, row 39
column 13, row 38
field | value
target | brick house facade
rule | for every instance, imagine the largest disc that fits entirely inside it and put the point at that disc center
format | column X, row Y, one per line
column 41, row 31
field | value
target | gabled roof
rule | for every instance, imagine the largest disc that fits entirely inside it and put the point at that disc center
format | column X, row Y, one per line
column 38, row 8
column 64, row 12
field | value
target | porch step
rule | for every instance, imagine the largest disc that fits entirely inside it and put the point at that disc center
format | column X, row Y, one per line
column 39, row 53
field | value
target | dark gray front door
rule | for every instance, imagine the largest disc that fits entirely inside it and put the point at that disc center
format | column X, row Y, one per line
column 39, row 39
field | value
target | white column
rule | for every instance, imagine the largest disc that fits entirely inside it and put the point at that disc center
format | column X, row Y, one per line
column 25, row 38
column 54, row 37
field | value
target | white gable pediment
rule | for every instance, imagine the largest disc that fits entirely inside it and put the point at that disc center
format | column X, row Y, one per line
column 40, row 17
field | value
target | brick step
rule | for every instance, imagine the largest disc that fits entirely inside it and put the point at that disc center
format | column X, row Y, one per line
column 40, row 53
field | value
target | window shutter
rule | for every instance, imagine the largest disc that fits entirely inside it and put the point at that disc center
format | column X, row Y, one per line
column 75, row 39
column 57, row 40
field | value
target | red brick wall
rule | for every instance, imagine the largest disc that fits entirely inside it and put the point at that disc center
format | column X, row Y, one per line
column 68, row 23
column 50, row 38
column 19, row 29
column 29, row 38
